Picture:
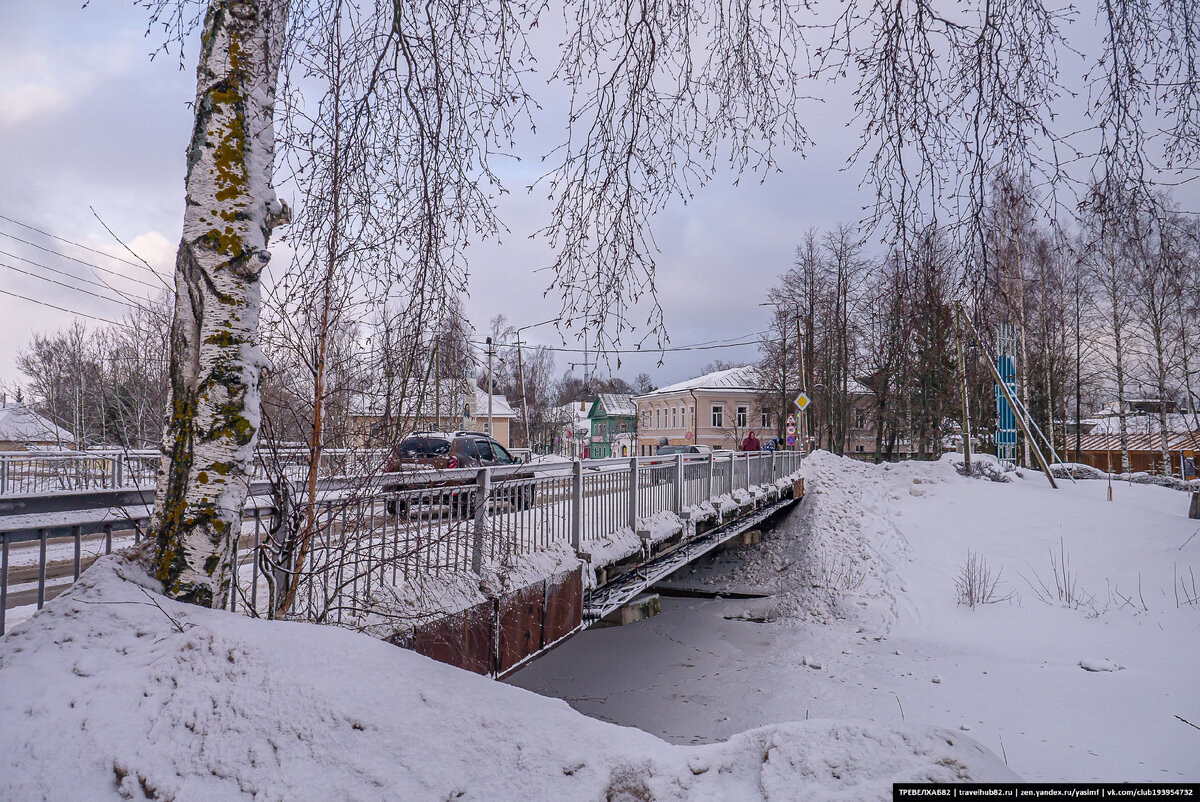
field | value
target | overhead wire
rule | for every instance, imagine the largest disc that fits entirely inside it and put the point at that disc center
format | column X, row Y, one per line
column 60, row 308
column 80, row 261
column 80, row 245
column 130, row 299
column 68, row 286
column 649, row 351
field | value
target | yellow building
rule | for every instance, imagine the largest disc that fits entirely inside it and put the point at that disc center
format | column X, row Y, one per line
column 456, row 405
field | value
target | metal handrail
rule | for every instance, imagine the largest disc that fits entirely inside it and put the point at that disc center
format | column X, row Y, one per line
column 373, row 533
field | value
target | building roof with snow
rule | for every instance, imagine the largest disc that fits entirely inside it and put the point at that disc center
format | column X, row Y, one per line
column 613, row 405
column 747, row 378
column 1148, row 423
column 20, row 424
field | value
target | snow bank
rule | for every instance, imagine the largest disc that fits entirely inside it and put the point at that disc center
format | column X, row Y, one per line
column 1065, row 470
column 841, row 565
column 113, row 692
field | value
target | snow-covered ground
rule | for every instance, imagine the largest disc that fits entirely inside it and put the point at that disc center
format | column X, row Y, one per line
column 114, row 692
column 859, row 670
column 862, row 623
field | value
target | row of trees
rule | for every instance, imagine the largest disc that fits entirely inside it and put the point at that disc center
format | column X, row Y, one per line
column 108, row 385
column 1101, row 313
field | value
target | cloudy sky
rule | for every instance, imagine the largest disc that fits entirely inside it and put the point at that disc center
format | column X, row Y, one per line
column 89, row 121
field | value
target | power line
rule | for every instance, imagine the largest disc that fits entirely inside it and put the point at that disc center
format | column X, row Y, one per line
column 648, row 351
column 80, row 261
column 79, row 245
column 101, row 284
column 59, row 308
column 68, row 286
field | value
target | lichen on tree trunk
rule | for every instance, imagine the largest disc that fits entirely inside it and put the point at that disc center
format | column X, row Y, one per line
column 213, row 411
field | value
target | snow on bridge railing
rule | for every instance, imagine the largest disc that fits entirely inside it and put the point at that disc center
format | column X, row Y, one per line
column 373, row 542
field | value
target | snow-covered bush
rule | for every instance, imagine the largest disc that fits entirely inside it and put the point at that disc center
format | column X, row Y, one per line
column 985, row 466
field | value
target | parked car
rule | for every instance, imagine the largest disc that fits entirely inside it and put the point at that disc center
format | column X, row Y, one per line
column 425, row 454
column 689, row 449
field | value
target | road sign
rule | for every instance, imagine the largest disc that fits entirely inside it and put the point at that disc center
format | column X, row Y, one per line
column 791, row 429
column 689, row 437
column 791, row 439
column 801, row 401
column 791, row 421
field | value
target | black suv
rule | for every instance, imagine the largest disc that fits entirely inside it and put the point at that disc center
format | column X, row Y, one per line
column 448, row 450
column 422, row 451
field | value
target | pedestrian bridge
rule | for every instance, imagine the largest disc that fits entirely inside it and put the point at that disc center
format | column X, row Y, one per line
column 481, row 568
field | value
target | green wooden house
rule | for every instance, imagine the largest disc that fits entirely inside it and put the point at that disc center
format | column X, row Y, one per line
column 613, row 419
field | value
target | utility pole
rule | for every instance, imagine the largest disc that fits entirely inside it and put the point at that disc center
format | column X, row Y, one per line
column 524, row 400
column 586, row 380
column 491, row 351
column 437, row 388
column 521, row 373
column 1078, row 378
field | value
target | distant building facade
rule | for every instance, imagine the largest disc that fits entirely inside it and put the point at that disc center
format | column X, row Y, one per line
column 572, row 429
column 613, row 419
column 717, row 409
column 452, row 406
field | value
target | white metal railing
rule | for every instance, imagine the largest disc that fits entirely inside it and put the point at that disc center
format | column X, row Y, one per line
column 477, row 517
column 33, row 472
column 368, row 540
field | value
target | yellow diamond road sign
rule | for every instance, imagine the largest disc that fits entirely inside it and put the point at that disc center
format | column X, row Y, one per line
column 801, row 401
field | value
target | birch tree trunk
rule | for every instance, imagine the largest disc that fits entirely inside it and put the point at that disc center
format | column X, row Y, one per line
column 212, row 426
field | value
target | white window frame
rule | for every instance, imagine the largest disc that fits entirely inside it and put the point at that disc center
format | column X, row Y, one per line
column 743, row 416
column 718, row 416
column 674, row 418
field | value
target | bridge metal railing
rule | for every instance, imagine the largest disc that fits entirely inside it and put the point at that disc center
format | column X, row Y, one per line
column 30, row 472
column 24, row 473
column 371, row 543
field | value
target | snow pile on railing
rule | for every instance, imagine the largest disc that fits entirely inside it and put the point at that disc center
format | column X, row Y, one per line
column 393, row 609
column 115, row 692
column 662, row 525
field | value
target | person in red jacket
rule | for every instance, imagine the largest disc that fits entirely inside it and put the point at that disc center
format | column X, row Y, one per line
column 751, row 443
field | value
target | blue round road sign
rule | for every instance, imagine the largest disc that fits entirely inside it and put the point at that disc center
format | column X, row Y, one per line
column 791, row 439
